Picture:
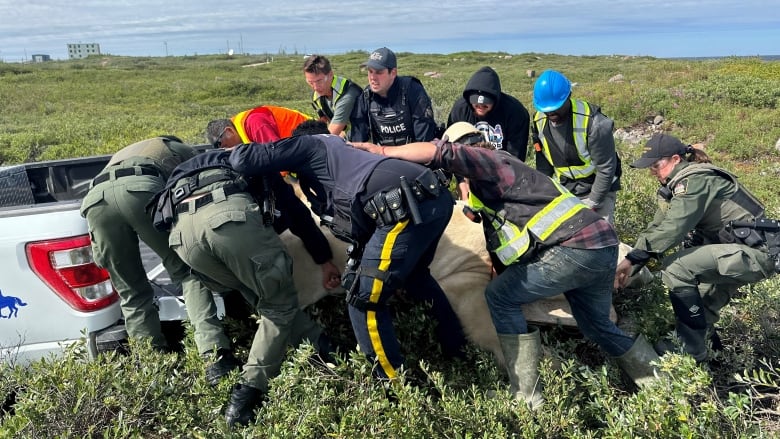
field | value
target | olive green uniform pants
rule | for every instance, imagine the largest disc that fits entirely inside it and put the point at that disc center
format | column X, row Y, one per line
column 227, row 245
column 117, row 220
column 717, row 270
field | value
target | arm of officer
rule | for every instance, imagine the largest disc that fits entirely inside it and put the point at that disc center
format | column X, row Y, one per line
column 419, row 152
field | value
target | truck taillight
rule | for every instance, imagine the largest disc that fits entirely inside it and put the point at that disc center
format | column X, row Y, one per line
column 67, row 267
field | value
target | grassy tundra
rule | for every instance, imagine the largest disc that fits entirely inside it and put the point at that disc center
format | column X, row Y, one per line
column 98, row 105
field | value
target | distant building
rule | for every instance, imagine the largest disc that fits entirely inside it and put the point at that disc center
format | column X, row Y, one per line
column 82, row 50
column 40, row 58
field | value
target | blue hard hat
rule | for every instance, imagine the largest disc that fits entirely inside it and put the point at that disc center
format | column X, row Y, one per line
column 551, row 90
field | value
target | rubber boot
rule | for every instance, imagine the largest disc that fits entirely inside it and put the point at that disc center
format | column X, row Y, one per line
column 223, row 364
column 523, row 352
column 243, row 402
column 636, row 362
column 691, row 325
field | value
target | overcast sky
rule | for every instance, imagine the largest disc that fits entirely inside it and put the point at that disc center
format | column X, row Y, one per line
column 661, row 28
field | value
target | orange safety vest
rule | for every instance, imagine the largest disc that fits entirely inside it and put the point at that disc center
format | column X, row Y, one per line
column 285, row 118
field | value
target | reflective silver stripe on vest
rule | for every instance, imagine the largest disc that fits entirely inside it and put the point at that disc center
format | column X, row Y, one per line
column 514, row 242
column 580, row 116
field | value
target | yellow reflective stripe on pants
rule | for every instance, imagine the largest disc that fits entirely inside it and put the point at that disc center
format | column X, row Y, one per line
column 376, row 291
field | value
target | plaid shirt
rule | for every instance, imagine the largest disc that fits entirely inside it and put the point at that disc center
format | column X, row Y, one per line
column 491, row 172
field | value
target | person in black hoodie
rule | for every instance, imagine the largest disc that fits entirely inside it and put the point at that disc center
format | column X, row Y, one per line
column 502, row 118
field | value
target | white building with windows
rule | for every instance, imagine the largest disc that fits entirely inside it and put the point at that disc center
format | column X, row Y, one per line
column 83, row 50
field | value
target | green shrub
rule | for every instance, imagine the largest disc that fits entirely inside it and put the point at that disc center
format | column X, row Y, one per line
column 100, row 104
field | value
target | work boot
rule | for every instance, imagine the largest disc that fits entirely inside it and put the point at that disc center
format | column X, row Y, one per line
column 636, row 362
column 243, row 402
column 523, row 352
column 224, row 364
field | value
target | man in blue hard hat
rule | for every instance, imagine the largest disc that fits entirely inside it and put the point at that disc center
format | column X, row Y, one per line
column 576, row 147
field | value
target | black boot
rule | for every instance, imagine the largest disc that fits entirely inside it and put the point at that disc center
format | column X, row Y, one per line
column 243, row 402
column 224, row 364
column 691, row 325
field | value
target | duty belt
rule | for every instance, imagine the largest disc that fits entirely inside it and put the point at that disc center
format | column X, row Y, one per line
column 396, row 204
column 229, row 190
column 125, row 172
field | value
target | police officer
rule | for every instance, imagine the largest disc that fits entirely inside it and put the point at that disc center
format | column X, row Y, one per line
column 574, row 143
column 393, row 110
column 290, row 213
column 228, row 239
column 333, row 97
column 115, row 211
column 393, row 211
column 697, row 204
column 550, row 243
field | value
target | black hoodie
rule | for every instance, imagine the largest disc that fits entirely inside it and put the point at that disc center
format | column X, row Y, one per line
column 508, row 119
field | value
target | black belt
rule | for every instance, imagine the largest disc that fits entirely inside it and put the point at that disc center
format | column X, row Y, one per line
column 124, row 172
column 229, row 190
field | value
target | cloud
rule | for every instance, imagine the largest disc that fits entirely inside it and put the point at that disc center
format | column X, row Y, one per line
column 149, row 27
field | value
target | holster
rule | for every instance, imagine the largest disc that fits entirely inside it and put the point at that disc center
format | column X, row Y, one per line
column 748, row 236
column 401, row 202
column 164, row 212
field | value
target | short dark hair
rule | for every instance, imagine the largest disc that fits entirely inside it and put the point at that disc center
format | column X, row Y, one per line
column 317, row 64
column 311, row 126
column 217, row 127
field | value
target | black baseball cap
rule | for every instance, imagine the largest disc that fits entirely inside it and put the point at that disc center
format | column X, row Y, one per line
column 382, row 58
column 658, row 147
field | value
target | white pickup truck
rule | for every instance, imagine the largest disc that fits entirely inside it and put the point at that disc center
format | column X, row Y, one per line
column 51, row 292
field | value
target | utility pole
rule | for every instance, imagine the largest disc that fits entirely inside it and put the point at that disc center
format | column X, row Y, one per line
column 165, row 43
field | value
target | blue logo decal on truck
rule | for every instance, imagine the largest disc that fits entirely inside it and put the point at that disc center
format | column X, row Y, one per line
column 11, row 303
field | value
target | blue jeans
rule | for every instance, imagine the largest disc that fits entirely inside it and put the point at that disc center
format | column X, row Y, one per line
column 584, row 276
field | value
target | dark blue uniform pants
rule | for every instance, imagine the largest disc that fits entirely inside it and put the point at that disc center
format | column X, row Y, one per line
column 403, row 252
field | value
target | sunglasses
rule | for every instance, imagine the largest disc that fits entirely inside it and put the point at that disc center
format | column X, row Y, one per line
column 218, row 141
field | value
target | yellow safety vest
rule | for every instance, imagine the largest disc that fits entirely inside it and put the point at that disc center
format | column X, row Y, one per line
column 338, row 86
column 581, row 114
column 286, row 121
column 513, row 241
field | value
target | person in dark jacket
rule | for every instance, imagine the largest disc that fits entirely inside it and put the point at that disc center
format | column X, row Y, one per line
column 502, row 118
column 292, row 214
column 361, row 197
column 576, row 147
column 225, row 234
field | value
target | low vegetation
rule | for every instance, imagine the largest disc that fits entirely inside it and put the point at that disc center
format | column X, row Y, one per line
column 98, row 105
